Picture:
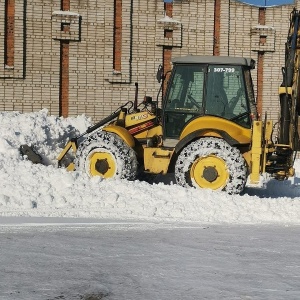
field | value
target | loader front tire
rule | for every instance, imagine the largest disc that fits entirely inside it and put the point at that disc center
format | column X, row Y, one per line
column 213, row 164
column 105, row 154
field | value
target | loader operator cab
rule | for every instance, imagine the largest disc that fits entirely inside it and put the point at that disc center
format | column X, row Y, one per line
column 215, row 86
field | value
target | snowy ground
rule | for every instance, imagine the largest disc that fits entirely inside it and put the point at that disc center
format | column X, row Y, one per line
column 130, row 260
column 135, row 240
column 37, row 190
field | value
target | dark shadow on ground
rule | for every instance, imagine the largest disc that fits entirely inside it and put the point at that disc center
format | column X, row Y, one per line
column 272, row 189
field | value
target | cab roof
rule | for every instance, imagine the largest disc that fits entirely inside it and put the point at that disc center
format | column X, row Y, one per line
column 219, row 60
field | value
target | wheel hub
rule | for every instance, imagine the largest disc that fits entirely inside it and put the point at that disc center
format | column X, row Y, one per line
column 210, row 172
column 102, row 166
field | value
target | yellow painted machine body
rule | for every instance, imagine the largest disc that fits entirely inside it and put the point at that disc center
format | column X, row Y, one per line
column 218, row 127
column 157, row 159
column 141, row 130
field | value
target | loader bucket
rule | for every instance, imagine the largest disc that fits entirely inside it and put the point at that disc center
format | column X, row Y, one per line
column 62, row 156
column 28, row 151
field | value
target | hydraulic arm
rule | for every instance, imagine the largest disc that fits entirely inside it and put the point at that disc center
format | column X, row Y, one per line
column 289, row 89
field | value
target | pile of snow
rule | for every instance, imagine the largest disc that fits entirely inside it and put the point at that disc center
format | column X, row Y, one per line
column 28, row 189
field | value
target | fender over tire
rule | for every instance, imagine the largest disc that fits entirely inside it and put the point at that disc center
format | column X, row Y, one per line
column 211, row 163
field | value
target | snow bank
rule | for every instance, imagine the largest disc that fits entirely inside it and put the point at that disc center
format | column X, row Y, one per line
column 36, row 190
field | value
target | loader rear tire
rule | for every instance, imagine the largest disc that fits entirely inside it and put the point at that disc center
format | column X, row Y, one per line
column 105, row 154
column 213, row 164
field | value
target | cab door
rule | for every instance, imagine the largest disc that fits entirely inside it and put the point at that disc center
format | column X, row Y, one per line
column 184, row 98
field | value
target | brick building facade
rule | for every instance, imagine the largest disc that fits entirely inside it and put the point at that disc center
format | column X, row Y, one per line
column 74, row 57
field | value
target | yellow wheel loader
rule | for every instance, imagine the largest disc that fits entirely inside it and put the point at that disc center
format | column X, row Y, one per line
column 202, row 133
column 207, row 131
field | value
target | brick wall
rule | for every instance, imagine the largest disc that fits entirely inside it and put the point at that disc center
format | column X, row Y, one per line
column 97, row 85
column 33, row 82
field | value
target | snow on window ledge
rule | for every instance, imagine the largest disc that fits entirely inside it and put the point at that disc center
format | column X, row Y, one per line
column 65, row 13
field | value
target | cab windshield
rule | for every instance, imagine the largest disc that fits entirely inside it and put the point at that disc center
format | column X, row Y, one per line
column 198, row 90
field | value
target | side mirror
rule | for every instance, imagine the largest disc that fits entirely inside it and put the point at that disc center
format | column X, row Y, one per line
column 160, row 73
